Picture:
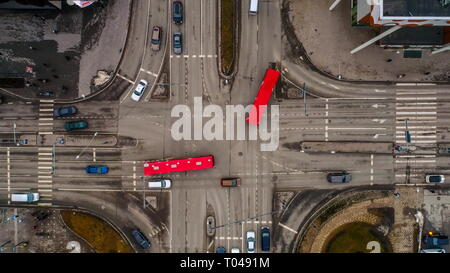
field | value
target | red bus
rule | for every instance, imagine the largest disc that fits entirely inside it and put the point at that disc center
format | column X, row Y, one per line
column 179, row 165
column 263, row 97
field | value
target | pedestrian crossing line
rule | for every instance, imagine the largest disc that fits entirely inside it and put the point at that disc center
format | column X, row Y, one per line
column 45, row 167
column 44, row 176
column 45, row 190
column 45, row 163
column 46, row 195
column 45, row 186
column 45, row 109
column 46, row 119
column 44, row 154
column 45, row 149
column 45, row 181
column 45, row 204
column 45, row 133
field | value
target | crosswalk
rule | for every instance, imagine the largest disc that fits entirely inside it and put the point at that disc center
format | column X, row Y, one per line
column 45, row 175
column 46, row 108
column 45, row 154
column 416, row 112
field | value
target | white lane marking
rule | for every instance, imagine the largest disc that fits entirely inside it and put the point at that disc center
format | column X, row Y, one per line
column 288, row 228
column 417, row 141
column 414, row 161
column 416, row 98
column 227, row 238
column 371, row 169
column 326, row 120
column 128, row 80
column 149, row 72
column 414, row 118
column 416, row 107
column 94, row 154
column 380, row 128
column 415, row 113
column 8, row 154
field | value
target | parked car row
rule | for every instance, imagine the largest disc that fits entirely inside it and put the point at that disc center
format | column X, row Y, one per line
column 345, row 177
column 265, row 240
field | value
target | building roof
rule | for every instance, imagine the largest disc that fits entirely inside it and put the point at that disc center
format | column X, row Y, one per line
column 415, row 8
column 417, row 36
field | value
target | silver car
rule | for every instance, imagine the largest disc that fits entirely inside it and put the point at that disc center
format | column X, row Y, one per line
column 177, row 43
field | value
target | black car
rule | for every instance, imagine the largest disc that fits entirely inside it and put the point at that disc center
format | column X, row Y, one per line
column 341, row 177
column 46, row 94
column 65, row 111
column 140, row 239
column 177, row 12
column 265, row 239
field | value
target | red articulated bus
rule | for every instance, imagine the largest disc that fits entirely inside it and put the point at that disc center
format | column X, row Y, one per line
column 179, row 165
column 263, row 97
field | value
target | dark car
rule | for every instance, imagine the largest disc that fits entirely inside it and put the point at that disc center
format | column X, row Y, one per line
column 75, row 125
column 177, row 43
column 65, row 111
column 221, row 249
column 342, row 177
column 1, row 99
column 102, row 169
column 265, row 239
column 46, row 94
column 230, row 182
column 140, row 239
column 177, row 12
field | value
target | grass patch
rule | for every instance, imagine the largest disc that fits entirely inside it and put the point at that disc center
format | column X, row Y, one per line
column 227, row 27
column 99, row 234
column 353, row 238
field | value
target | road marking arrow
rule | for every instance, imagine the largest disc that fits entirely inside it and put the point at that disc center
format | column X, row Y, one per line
column 377, row 135
column 381, row 121
column 379, row 105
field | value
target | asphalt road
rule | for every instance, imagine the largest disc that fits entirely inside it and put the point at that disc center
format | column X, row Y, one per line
column 339, row 112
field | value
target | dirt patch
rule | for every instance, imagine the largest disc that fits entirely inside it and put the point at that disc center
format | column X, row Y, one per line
column 100, row 235
column 227, row 34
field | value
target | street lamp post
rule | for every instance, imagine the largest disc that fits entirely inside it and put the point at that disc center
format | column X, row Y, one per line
column 92, row 139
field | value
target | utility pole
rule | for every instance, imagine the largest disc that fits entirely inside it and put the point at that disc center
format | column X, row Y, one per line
column 78, row 156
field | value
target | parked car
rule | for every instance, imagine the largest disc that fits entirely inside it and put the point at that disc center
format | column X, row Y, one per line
column 341, row 177
column 101, row 169
column 265, row 239
column 46, row 94
column 75, row 125
column 140, row 239
column 160, row 184
column 230, row 182
column 177, row 12
column 435, row 240
column 250, row 241
column 139, row 91
column 65, row 111
column 221, row 249
column 434, row 178
column 156, row 38
column 177, row 43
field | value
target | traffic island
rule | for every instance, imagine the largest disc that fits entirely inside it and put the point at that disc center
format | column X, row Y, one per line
column 364, row 222
column 69, row 140
column 227, row 37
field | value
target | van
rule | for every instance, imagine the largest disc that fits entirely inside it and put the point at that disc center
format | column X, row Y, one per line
column 160, row 184
column 230, row 182
column 253, row 7
column 25, row 197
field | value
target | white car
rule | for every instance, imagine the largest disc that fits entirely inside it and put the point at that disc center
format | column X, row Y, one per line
column 160, row 184
column 434, row 178
column 250, row 242
column 235, row 250
column 139, row 91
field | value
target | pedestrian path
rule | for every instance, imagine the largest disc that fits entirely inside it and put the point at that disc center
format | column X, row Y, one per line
column 46, row 108
column 416, row 112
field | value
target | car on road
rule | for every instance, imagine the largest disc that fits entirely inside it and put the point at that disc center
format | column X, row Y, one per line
column 210, row 225
column 75, row 125
column 160, row 183
column 101, row 169
column 140, row 238
column 434, row 178
column 265, row 239
column 235, row 250
column 250, row 242
column 27, row 197
column 230, row 182
column 65, row 111
column 46, row 94
column 221, row 249
column 177, row 12
column 339, row 177
column 177, row 43
column 433, row 250
column 139, row 91
column 156, row 38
